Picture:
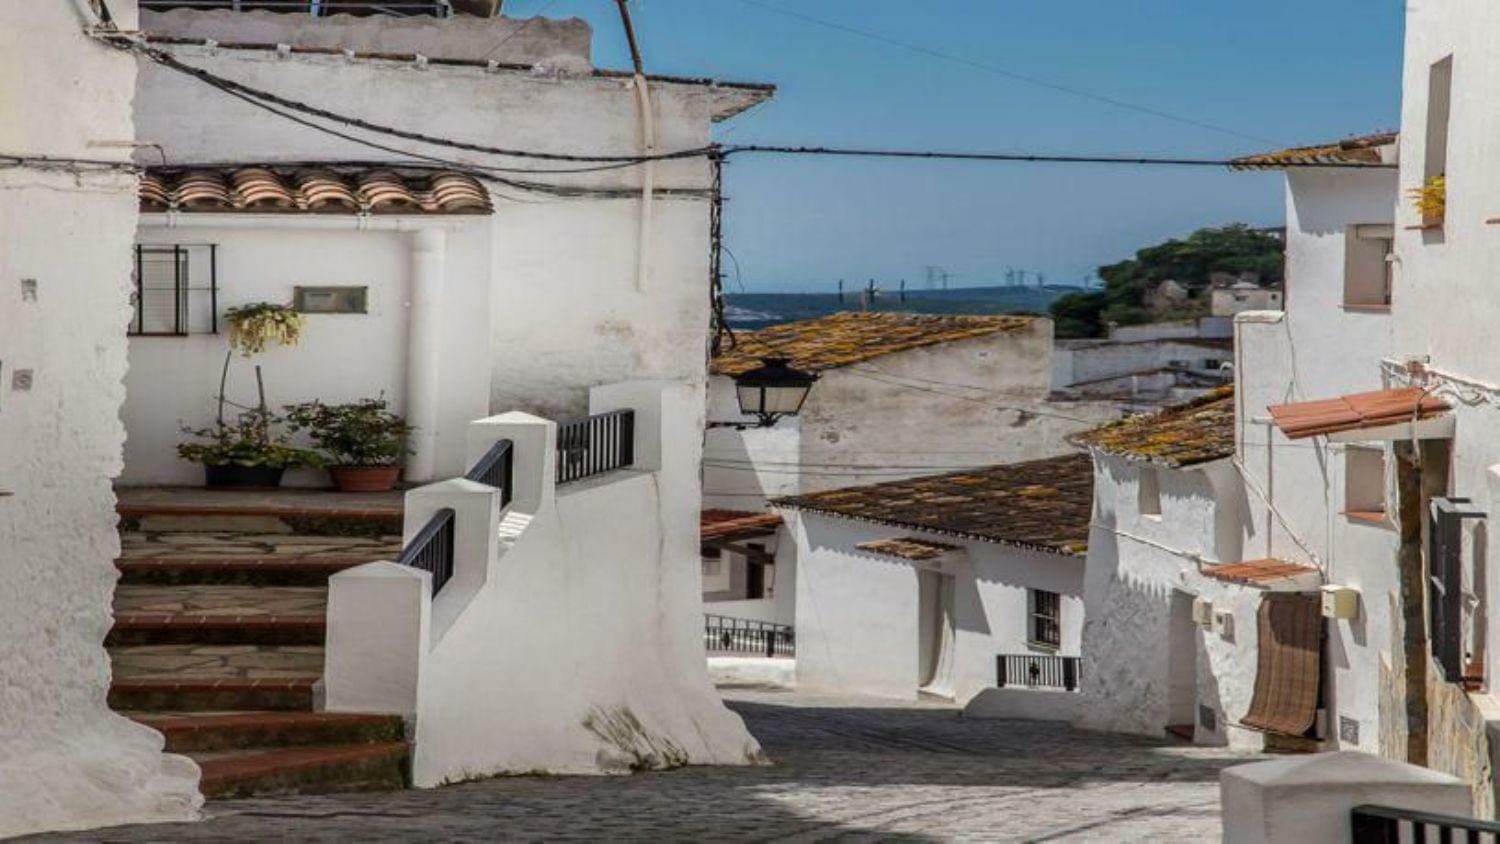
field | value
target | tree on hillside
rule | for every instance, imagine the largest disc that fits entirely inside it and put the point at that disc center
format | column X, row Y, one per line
column 1234, row 248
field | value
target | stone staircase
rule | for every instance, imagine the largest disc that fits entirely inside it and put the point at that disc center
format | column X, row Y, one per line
column 218, row 644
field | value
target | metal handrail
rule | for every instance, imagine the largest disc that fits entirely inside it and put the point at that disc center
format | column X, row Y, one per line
column 595, row 445
column 497, row 469
column 1037, row 671
column 723, row 634
column 431, row 550
column 1382, row 825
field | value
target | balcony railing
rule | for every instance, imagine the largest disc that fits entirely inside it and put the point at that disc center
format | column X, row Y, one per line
column 432, row 549
column 595, row 445
column 1037, row 671
column 497, row 468
column 1387, row 825
column 722, row 634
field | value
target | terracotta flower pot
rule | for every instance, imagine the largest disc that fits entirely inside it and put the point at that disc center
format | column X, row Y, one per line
column 365, row 478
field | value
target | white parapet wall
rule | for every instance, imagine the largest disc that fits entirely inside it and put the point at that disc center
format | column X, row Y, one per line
column 569, row 637
column 66, row 761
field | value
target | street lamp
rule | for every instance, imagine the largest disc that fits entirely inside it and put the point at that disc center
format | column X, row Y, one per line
column 770, row 391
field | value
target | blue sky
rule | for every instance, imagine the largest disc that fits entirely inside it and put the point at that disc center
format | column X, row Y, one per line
column 1286, row 71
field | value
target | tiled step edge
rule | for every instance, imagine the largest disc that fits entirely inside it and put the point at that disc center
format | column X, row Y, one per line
column 212, row 695
column 241, row 730
column 247, row 571
column 317, row 769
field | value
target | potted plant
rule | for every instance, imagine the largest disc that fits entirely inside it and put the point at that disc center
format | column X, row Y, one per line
column 245, row 453
column 363, row 441
column 1431, row 199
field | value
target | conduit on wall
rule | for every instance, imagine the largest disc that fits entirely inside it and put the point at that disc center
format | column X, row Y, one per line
column 424, row 327
column 648, row 180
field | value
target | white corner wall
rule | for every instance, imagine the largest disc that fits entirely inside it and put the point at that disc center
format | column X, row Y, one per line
column 68, row 762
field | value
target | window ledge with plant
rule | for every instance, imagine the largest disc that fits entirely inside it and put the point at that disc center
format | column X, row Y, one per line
column 1431, row 201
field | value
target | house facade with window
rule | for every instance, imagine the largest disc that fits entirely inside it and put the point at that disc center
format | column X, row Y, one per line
column 454, row 287
column 944, row 585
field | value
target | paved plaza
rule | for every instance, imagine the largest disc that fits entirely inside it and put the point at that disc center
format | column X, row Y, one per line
column 844, row 770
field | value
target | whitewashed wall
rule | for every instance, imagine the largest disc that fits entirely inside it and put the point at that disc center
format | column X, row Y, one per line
column 342, row 357
column 1136, row 563
column 858, row 613
column 949, row 406
column 68, row 762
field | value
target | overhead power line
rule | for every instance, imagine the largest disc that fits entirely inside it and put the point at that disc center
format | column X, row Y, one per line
column 1008, row 74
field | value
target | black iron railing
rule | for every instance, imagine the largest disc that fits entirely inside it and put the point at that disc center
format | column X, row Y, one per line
column 431, row 550
column 1037, row 671
column 1387, row 825
column 595, row 445
column 722, row 634
column 496, row 468
column 316, row 8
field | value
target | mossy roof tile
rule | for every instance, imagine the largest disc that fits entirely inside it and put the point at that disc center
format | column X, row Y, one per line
column 1198, row 431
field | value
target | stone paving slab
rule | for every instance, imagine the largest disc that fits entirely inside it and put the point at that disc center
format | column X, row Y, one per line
column 196, row 661
column 844, row 770
column 136, row 501
column 170, row 545
column 218, row 599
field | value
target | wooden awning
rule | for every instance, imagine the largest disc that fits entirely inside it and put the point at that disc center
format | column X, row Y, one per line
column 1288, row 664
column 1362, row 412
column 723, row 525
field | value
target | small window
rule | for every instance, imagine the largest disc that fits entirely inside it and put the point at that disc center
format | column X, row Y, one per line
column 1148, row 493
column 175, row 290
column 1439, row 108
column 1367, row 266
column 330, row 300
column 1046, row 618
column 1364, row 482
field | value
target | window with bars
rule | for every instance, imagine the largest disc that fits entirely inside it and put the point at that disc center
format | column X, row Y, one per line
column 1445, row 580
column 1046, row 618
column 175, row 290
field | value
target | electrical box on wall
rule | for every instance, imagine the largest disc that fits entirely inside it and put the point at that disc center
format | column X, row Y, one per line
column 1203, row 612
column 1224, row 623
column 1340, row 601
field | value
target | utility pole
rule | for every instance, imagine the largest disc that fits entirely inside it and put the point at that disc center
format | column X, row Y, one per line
column 903, row 290
column 841, row 291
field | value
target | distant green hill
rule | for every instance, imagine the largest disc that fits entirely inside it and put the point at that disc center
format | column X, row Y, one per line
column 758, row 310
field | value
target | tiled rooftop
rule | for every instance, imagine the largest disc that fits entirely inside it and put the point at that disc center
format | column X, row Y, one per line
column 854, row 336
column 271, row 189
column 1364, row 149
column 1261, row 572
column 1041, row 504
column 730, row 524
column 1355, row 412
column 1194, row 432
column 907, row 547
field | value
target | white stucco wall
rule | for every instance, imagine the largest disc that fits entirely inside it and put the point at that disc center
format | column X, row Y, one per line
column 342, row 357
column 859, row 617
column 558, row 647
column 1139, row 567
column 1093, row 360
column 949, row 406
column 68, row 762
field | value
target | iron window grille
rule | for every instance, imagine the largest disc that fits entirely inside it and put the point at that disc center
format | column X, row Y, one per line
column 1445, row 581
column 315, row 8
column 175, row 290
column 1046, row 618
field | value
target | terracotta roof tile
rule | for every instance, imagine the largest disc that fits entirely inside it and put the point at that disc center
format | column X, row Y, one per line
column 1355, row 412
column 1195, row 432
column 853, row 336
column 275, row 189
column 1040, row 504
column 729, row 524
column 1260, row 572
column 1362, row 149
column 907, row 548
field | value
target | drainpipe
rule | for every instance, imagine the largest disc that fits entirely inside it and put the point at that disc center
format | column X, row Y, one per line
column 424, row 328
column 648, row 148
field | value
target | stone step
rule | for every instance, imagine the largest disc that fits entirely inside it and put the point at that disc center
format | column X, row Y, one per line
column 243, row 571
column 302, row 511
column 216, row 629
column 208, row 695
column 204, row 732
column 215, row 662
column 313, row 769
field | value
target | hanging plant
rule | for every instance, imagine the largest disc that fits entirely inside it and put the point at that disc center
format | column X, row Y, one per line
column 1431, row 199
column 253, row 326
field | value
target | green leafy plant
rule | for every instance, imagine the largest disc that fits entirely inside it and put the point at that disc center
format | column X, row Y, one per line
column 253, row 326
column 251, row 440
column 1431, row 199
column 361, row 433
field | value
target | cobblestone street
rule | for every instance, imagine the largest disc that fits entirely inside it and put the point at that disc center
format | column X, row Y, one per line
column 844, row 770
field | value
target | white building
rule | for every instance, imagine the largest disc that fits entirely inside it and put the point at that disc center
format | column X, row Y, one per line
column 65, row 232
column 452, row 306
column 1241, row 296
column 945, row 585
column 1141, row 370
column 900, row 395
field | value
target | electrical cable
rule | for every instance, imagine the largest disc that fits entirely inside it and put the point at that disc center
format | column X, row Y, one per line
column 1008, row 74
